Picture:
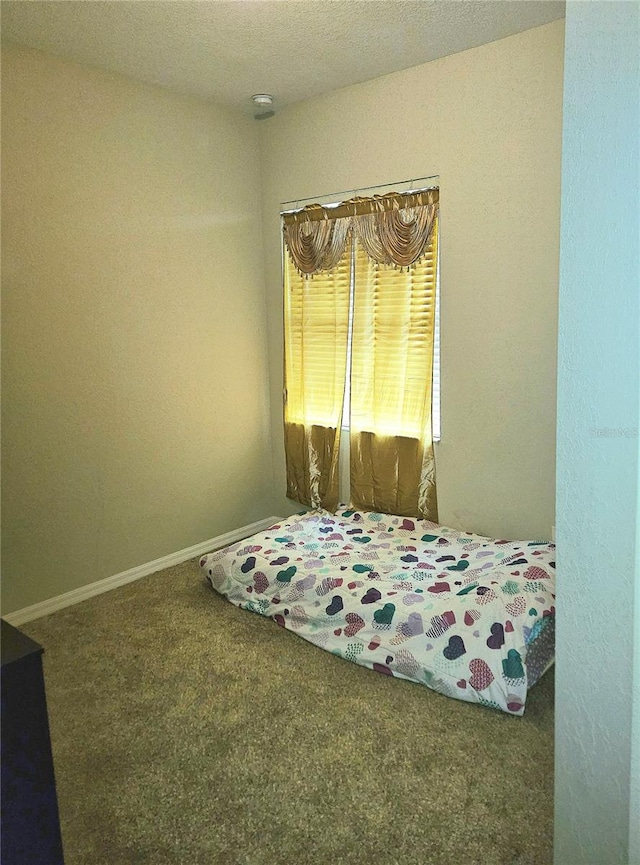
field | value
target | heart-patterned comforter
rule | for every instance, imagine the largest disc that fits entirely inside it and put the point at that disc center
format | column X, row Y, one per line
column 452, row 610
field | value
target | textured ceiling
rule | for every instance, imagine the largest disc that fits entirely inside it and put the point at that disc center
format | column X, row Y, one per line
column 227, row 50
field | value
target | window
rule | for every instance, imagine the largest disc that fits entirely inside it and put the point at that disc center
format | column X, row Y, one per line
column 394, row 425
column 392, row 343
column 360, row 283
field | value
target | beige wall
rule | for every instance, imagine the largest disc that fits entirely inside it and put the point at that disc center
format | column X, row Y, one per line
column 488, row 122
column 135, row 390
column 134, row 341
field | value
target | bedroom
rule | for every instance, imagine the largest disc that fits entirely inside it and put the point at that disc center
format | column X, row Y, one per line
column 143, row 415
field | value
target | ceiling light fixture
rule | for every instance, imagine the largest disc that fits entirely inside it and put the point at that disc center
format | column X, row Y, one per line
column 262, row 106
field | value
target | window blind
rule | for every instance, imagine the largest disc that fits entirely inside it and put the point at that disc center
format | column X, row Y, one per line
column 392, row 359
column 316, row 329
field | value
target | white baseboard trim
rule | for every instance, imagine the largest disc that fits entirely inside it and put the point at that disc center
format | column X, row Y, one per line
column 44, row 608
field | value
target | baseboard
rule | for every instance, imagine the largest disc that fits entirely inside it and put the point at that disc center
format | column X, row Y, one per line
column 44, row 608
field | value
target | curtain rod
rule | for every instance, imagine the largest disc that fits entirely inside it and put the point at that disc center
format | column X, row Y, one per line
column 298, row 201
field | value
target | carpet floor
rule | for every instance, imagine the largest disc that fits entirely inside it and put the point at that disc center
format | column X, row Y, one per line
column 186, row 731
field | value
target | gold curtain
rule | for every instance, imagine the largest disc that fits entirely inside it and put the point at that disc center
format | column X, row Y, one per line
column 396, row 236
column 392, row 460
column 393, row 241
column 316, row 331
column 393, row 229
column 316, row 245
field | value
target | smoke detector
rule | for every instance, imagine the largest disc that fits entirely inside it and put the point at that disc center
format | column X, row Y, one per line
column 262, row 106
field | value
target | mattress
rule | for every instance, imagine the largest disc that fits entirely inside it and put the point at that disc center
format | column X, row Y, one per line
column 468, row 616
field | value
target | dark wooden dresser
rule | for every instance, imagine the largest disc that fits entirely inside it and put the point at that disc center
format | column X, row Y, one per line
column 30, row 830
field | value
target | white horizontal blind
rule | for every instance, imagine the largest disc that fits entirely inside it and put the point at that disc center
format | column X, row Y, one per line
column 316, row 326
column 391, row 366
column 435, row 394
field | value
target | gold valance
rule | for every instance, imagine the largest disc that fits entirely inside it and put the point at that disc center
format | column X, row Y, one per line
column 318, row 245
column 392, row 229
